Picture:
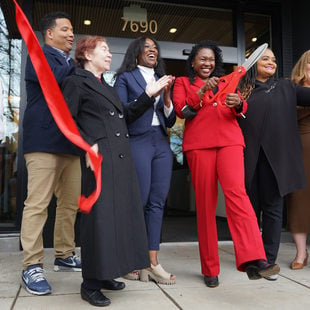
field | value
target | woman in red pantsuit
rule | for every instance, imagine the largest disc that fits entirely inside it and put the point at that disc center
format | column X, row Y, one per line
column 213, row 144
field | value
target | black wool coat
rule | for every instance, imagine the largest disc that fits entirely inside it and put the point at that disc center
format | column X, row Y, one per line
column 271, row 124
column 113, row 234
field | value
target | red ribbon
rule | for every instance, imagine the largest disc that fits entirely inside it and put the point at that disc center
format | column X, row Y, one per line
column 57, row 104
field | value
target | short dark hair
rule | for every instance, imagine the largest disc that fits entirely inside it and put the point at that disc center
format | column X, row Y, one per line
column 49, row 21
column 218, row 69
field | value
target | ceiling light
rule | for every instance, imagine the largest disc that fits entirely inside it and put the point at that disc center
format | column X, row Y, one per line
column 254, row 39
column 87, row 22
column 173, row 30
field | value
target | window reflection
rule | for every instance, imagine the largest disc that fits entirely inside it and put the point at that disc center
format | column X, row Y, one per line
column 10, row 74
column 257, row 31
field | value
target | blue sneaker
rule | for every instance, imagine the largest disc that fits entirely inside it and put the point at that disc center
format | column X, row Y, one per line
column 71, row 263
column 34, row 281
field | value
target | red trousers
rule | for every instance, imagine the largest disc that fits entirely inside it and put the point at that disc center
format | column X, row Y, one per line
column 225, row 164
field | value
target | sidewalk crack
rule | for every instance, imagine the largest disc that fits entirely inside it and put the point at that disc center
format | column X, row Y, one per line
column 15, row 299
column 169, row 297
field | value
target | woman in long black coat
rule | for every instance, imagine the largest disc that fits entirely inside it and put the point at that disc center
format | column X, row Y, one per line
column 273, row 153
column 113, row 234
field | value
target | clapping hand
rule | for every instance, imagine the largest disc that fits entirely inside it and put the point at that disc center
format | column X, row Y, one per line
column 154, row 88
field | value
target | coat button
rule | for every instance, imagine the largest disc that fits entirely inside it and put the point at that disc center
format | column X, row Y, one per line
column 111, row 113
column 215, row 104
column 117, row 133
column 121, row 115
column 127, row 135
column 121, row 156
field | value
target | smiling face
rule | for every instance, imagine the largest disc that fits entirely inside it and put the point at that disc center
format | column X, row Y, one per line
column 148, row 57
column 61, row 35
column 266, row 66
column 100, row 57
column 204, row 63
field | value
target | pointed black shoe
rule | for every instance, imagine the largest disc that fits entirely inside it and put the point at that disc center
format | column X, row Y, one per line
column 112, row 285
column 252, row 272
column 94, row 297
column 211, row 281
column 261, row 269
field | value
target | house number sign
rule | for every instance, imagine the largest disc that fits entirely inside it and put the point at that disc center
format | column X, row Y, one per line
column 142, row 26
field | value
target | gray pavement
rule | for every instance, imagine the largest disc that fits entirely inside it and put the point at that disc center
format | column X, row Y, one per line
column 290, row 291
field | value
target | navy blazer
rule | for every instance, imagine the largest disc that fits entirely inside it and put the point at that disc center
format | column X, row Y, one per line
column 40, row 132
column 130, row 86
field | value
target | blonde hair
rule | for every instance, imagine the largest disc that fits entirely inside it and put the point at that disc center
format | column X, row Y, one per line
column 299, row 71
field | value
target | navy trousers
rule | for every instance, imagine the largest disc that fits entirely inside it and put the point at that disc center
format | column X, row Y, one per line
column 153, row 159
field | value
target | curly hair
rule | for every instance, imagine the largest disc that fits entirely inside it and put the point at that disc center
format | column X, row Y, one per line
column 218, row 69
column 134, row 49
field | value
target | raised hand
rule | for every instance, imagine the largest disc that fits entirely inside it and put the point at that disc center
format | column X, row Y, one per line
column 154, row 88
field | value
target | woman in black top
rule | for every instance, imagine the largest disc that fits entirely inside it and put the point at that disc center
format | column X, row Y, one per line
column 273, row 153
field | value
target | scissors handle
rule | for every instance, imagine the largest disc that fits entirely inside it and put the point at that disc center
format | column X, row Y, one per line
column 230, row 83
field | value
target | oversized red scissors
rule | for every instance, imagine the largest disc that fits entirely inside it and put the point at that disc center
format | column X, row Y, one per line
column 231, row 81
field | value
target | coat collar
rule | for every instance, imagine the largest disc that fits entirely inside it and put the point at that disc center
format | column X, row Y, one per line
column 103, row 89
column 137, row 75
column 61, row 58
column 198, row 81
column 53, row 51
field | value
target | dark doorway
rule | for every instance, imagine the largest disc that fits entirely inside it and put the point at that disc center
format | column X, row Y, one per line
column 175, row 67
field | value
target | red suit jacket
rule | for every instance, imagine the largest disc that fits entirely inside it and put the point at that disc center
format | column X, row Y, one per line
column 215, row 125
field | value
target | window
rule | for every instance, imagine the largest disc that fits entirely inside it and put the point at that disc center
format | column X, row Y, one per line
column 10, row 75
column 257, row 31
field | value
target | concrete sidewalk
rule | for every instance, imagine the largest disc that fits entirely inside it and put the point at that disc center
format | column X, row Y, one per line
column 290, row 291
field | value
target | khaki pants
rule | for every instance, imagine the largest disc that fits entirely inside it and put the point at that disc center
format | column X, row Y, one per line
column 50, row 174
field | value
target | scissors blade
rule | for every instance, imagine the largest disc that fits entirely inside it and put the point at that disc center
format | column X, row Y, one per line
column 254, row 56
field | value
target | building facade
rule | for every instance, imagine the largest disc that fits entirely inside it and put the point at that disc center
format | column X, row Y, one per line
column 237, row 26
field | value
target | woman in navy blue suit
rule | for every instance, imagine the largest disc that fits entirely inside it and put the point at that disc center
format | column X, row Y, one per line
column 142, row 67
